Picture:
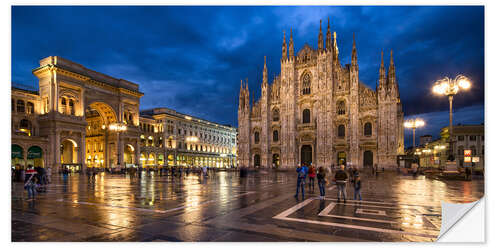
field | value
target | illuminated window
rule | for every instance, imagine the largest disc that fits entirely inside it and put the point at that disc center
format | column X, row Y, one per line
column 30, row 108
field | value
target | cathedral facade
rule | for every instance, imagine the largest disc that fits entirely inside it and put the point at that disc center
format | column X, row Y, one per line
column 317, row 111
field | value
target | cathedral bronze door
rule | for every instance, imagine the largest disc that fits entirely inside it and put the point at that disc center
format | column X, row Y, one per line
column 256, row 160
column 367, row 159
column 341, row 158
column 306, row 155
column 276, row 160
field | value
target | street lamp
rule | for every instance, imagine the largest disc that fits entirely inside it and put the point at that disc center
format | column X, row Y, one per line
column 118, row 128
column 450, row 87
column 413, row 124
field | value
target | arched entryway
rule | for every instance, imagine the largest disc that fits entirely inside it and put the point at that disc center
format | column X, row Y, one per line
column 341, row 158
column 69, row 152
column 306, row 155
column 151, row 160
column 99, row 140
column 171, row 159
column 256, row 160
column 128, row 154
column 17, row 157
column 367, row 158
column 276, row 160
column 161, row 161
column 35, row 156
column 143, row 160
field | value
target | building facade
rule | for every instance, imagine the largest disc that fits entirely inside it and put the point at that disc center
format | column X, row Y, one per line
column 82, row 118
column 465, row 137
column 317, row 111
column 170, row 138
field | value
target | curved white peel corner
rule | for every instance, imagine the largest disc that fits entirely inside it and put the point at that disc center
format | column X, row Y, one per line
column 452, row 213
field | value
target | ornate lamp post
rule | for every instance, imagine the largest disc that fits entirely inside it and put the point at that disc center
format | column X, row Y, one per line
column 413, row 124
column 118, row 128
column 450, row 87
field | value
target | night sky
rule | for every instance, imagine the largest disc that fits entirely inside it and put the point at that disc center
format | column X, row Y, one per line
column 191, row 59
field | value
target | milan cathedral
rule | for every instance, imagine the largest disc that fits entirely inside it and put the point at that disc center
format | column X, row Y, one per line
column 317, row 111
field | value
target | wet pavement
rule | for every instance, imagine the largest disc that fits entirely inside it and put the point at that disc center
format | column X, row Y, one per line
column 225, row 207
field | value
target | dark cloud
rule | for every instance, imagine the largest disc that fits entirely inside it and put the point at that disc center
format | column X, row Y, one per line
column 192, row 58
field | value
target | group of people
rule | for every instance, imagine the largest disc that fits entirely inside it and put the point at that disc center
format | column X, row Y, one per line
column 340, row 178
column 36, row 180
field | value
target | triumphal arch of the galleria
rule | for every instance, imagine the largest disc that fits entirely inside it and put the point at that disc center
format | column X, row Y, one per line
column 80, row 114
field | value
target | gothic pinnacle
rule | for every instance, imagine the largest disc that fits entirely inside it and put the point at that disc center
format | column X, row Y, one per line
column 320, row 37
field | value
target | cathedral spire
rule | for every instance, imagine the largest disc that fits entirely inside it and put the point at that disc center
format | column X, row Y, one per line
column 381, row 81
column 354, row 56
column 284, row 47
column 290, row 47
column 320, row 38
column 328, row 37
column 264, row 72
column 392, row 77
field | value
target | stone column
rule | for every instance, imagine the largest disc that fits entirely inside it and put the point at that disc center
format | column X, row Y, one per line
column 137, row 152
column 81, row 153
column 57, row 150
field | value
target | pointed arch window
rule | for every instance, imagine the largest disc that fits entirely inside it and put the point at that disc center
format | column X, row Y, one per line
column 306, row 84
column 256, row 137
column 276, row 136
column 368, row 129
column 276, row 115
column 306, row 116
column 341, row 107
column 341, row 131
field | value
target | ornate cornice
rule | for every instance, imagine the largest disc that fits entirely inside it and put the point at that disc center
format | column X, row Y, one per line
column 47, row 68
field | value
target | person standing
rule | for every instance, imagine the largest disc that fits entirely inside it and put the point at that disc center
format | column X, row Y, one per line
column 357, row 187
column 341, row 179
column 49, row 174
column 321, row 182
column 30, row 184
column 312, row 176
column 301, row 179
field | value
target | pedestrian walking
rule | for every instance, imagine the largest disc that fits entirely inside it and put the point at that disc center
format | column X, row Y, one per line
column 30, row 184
column 357, row 187
column 340, row 180
column 312, row 175
column 301, row 179
column 321, row 176
column 49, row 174
column 94, row 173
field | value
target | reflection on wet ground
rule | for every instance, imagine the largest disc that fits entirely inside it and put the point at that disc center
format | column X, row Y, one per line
column 225, row 207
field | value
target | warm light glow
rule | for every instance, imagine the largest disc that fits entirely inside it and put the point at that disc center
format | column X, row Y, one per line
column 414, row 123
column 447, row 86
column 117, row 127
column 192, row 139
column 464, row 83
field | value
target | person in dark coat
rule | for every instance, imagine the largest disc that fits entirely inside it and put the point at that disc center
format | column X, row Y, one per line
column 341, row 180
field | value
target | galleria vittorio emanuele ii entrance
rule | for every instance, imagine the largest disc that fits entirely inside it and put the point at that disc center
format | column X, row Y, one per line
column 90, row 119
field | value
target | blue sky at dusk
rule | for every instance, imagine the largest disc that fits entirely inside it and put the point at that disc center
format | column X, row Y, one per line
column 191, row 59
